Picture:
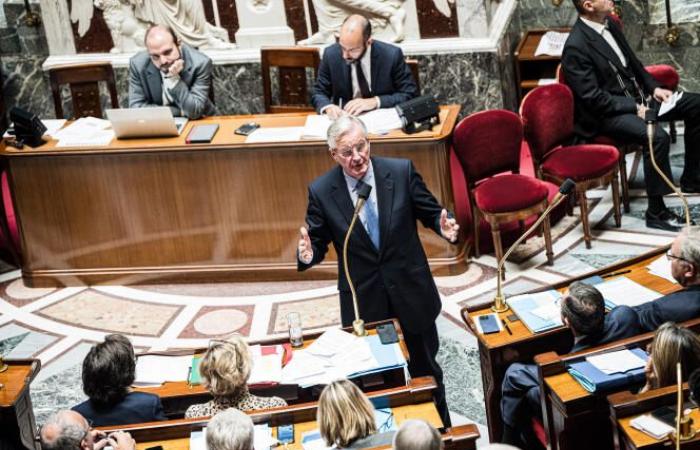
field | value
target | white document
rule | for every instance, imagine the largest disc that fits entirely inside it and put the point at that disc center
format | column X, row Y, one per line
column 274, row 134
column 266, row 368
column 331, row 342
column 198, row 440
column 53, row 125
column 157, row 369
column 669, row 104
column 381, row 121
column 661, row 267
column 316, row 127
column 82, row 126
column 623, row 291
column 302, row 367
column 651, row 426
column 262, row 437
column 616, row 362
column 552, row 43
column 546, row 81
column 550, row 311
column 98, row 138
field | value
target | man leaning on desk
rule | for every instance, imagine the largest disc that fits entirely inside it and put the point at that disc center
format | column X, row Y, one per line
column 170, row 74
column 359, row 74
column 683, row 305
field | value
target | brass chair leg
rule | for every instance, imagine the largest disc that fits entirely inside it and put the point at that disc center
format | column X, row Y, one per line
column 616, row 202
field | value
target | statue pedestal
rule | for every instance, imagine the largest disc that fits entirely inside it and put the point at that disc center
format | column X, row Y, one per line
column 263, row 22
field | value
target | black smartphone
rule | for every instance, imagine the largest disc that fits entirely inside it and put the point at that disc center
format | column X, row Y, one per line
column 157, row 447
column 489, row 324
column 285, row 434
column 246, row 129
column 387, row 333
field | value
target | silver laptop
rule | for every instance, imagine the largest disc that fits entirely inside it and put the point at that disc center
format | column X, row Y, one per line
column 145, row 122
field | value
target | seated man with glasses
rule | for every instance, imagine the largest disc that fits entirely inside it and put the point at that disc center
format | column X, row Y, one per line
column 582, row 311
column 387, row 263
column 683, row 305
column 68, row 430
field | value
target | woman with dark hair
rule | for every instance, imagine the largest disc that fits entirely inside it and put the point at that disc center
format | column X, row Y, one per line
column 108, row 372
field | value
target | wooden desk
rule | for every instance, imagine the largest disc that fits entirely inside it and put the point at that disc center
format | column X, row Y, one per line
column 151, row 210
column 176, row 397
column 569, row 411
column 529, row 69
column 625, row 406
column 499, row 350
column 16, row 411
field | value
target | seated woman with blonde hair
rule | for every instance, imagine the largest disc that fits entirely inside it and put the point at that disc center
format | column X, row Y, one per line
column 225, row 369
column 671, row 344
column 345, row 418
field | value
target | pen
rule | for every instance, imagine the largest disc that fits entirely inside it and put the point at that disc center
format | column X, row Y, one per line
column 189, row 380
column 614, row 274
column 507, row 327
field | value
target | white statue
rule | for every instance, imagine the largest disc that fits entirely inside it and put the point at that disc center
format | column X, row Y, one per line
column 381, row 13
column 128, row 20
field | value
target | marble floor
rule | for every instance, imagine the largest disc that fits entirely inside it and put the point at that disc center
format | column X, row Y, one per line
column 58, row 326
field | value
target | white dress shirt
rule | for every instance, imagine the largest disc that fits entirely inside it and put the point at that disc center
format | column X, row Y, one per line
column 371, row 201
column 605, row 33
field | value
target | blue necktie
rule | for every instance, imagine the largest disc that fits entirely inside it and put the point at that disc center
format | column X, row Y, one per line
column 372, row 220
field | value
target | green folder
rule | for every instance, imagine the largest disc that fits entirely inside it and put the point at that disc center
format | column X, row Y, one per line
column 195, row 377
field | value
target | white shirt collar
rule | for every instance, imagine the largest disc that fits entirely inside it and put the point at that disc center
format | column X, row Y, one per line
column 597, row 27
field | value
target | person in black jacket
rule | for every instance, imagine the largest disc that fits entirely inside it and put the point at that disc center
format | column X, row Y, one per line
column 387, row 262
column 359, row 74
column 583, row 311
column 108, row 372
column 683, row 305
column 612, row 92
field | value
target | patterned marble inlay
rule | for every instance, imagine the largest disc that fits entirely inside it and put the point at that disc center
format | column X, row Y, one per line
column 320, row 312
column 681, row 11
column 103, row 312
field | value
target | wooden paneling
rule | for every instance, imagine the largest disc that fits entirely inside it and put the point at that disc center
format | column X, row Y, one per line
column 147, row 209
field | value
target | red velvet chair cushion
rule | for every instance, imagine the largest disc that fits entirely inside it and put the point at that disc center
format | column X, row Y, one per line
column 510, row 192
column 548, row 117
column 666, row 75
column 581, row 162
column 13, row 239
column 538, row 430
column 488, row 142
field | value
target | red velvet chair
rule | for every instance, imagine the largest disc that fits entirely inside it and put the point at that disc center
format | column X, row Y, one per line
column 487, row 145
column 548, row 118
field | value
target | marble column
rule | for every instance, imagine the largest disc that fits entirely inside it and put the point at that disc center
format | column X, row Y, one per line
column 59, row 34
column 263, row 22
column 472, row 18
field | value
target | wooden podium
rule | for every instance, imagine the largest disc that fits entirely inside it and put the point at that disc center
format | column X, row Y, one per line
column 16, row 413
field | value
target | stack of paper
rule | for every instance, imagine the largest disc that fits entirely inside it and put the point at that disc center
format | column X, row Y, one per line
column 623, row 291
column 157, row 369
column 198, row 440
column 379, row 121
column 593, row 379
column 539, row 312
column 651, row 426
column 551, row 43
column 616, row 362
column 274, row 134
column 661, row 267
column 85, row 132
column 316, row 127
column 267, row 365
column 262, row 437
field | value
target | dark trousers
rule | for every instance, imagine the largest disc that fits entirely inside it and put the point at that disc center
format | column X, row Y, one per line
column 520, row 401
column 629, row 128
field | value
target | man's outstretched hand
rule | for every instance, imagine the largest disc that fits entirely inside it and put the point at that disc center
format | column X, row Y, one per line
column 448, row 227
column 304, row 250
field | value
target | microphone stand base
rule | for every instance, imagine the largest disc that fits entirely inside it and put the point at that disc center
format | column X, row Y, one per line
column 499, row 304
column 358, row 327
column 3, row 366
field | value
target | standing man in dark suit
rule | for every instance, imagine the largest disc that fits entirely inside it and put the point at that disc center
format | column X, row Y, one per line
column 685, row 268
column 583, row 312
column 168, row 74
column 359, row 74
column 612, row 92
column 387, row 263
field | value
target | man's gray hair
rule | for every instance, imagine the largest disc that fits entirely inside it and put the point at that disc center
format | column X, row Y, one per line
column 690, row 245
column 230, row 430
column 417, row 435
column 341, row 126
column 58, row 433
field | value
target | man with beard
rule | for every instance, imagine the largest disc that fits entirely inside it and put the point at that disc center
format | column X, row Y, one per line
column 168, row 74
column 359, row 74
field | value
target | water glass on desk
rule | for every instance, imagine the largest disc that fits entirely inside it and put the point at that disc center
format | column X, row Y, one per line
column 296, row 337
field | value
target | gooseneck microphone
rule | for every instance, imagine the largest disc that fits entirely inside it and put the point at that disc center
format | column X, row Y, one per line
column 499, row 301
column 363, row 191
column 650, row 117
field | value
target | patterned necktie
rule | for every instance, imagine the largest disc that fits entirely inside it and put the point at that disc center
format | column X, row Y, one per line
column 371, row 223
column 362, row 81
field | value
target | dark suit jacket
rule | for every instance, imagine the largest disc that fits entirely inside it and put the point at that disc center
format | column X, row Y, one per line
column 396, row 279
column 136, row 407
column 391, row 78
column 190, row 96
column 677, row 307
column 520, row 390
column 588, row 62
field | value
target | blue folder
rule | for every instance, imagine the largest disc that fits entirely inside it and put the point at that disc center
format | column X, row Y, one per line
column 593, row 380
column 386, row 355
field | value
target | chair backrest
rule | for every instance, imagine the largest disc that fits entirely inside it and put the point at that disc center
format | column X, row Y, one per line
column 547, row 113
column 291, row 63
column 487, row 143
column 83, row 81
column 413, row 66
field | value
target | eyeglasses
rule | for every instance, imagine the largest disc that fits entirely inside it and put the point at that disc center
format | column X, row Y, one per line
column 348, row 152
column 388, row 423
column 670, row 256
